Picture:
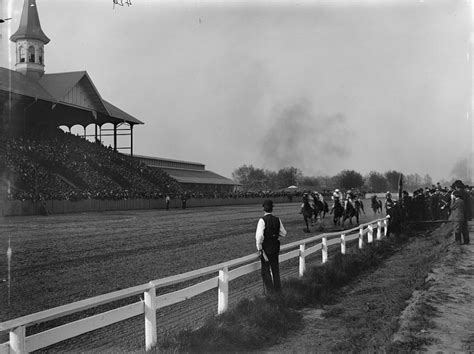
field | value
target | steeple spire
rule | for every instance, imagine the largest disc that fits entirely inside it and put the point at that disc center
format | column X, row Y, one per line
column 30, row 27
column 30, row 40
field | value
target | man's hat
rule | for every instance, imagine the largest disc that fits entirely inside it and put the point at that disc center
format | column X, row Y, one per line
column 268, row 204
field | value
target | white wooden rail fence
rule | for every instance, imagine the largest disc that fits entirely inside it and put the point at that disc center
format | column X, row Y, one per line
column 20, row 343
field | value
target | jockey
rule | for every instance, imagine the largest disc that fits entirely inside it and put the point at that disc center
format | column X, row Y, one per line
column 309, row 198
column 319, row 196
column 337, row 195
column 350, row 198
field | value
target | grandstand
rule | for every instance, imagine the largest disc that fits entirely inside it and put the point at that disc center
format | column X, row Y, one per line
column 39, row 161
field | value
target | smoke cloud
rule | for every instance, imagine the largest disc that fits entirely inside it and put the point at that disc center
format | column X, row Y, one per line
column 301, row 138
column 461, row 170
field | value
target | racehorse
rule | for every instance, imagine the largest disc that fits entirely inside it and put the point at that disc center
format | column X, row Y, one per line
column 376, row 205
column 338, row 211
column 320, row 209
column 351, row 211
column 307, row 212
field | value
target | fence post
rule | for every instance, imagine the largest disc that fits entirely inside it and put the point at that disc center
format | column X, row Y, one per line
column 343, row 244
column 370, row 235
column 150, row 318
column 223, row 291
column 324, row 249
column 361, row 237
column 302, row 260
column 17, row 340
column 379, row 230
column 385, row 226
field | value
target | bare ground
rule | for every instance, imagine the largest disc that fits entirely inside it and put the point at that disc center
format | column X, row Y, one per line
column 441, row 316
column 425, row 290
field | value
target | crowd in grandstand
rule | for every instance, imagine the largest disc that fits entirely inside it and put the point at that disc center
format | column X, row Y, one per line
column 62, row 166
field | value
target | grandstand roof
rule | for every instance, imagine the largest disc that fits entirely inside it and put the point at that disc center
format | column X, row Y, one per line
column 56, row 87
column 170, row 163
column 16, row 82
column 198, row 177
column 186, row 171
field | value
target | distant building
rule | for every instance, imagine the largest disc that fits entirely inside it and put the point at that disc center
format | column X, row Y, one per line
column 191, row 175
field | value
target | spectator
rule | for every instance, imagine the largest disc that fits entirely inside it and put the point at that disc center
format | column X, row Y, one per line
column 269, row 229
column 458, row 217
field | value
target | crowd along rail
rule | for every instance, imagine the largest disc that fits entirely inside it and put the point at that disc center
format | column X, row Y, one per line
column 20, row 343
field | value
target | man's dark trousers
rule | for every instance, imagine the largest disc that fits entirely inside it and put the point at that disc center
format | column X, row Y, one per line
column 465, row 232
column 271, row 281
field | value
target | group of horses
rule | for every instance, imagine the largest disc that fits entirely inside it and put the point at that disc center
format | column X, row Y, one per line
column 312, row 210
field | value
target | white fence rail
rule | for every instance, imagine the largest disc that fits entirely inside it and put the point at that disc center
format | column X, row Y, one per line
column 20, row 343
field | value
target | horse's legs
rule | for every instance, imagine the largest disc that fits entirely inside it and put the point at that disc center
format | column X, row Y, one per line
column 306, row 222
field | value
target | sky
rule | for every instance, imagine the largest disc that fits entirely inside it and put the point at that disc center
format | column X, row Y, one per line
column 323, row 86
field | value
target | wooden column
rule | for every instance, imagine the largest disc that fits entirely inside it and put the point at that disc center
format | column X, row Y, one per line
column 115, row 137
column 131, row 139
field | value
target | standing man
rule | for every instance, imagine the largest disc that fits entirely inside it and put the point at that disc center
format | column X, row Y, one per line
column 464, row 195
column 269, row 229
column 388, row 202
column 183, row 200
column 167, row 199
column 458, row 216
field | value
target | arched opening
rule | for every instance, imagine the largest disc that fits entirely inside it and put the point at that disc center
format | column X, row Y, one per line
column 107, row 134
column 65, row 129
column 40, row 56
column 78, row 130
column 22, row 54
column 31, row 54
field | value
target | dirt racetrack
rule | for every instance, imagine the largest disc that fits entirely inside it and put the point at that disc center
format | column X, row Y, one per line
column 65, row 258
column 59, row 259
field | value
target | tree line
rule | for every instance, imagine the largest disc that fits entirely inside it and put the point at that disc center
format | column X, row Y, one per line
column 258, row 179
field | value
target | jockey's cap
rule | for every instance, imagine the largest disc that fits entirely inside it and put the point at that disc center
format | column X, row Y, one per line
column 337, row 190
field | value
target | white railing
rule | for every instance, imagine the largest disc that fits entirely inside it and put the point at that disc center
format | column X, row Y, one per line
column 20, row 343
